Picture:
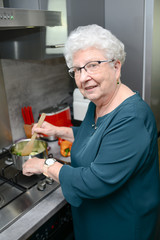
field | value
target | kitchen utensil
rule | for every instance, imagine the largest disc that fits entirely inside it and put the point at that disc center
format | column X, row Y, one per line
column 39, row 150
column 29, row 146
column 24, row 116
column 27, row 115
column 31, row 114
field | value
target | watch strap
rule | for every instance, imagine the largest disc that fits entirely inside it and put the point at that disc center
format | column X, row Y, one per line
column 45, row 170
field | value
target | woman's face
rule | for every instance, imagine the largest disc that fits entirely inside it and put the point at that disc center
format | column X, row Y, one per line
column 100, row 86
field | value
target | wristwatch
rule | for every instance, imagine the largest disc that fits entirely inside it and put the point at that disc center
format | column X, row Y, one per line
column 48, row 162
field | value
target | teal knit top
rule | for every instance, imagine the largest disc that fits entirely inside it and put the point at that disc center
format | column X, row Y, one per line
column 113, row 181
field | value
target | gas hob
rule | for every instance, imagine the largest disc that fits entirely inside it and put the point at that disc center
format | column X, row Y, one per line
column 19, row 193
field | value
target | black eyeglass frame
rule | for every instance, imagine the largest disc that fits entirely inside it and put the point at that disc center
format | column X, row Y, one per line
column 80, row 68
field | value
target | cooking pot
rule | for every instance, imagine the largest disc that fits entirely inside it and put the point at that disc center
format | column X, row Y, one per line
column 39, row 151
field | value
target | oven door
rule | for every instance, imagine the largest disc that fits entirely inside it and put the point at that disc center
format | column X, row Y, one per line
column 58, row 227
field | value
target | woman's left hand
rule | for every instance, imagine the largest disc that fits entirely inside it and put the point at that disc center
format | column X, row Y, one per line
column 33, row 166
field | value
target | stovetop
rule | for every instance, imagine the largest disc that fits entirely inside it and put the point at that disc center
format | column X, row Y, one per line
column 19, row 193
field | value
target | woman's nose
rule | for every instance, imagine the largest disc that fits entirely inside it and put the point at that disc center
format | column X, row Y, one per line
column 83, row 75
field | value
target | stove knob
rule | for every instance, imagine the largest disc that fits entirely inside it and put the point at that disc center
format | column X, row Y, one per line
column 49, row 181
column 41, row 185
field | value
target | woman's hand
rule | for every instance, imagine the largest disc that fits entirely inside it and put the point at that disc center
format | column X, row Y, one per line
column 46, row 128
column 55, row 131
column 36, row 166
column 33, row 166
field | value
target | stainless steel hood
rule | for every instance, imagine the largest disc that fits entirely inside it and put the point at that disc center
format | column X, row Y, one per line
column 23, row 32
column 22, row 18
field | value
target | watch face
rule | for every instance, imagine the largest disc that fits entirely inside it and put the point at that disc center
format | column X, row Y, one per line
column 50, row 161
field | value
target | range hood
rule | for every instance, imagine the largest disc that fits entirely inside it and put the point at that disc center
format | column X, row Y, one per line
column 23, row 18
column 32, row 29
column 23, row 32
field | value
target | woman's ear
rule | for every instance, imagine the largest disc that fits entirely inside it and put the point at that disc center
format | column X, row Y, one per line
column 117, row 67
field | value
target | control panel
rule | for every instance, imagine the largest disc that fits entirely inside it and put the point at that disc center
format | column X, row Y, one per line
column 58, row 227
column 5, row 16
column 9, row 17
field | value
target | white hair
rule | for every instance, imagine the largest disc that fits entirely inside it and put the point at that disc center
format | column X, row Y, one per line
column 93, row 35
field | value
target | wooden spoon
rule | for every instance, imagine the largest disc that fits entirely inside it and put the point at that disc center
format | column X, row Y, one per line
column 29, row 146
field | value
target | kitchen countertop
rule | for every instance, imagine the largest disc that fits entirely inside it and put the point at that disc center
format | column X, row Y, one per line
column 30, row 221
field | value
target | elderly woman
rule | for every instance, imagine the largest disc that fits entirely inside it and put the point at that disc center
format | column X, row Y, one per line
column 113, row 181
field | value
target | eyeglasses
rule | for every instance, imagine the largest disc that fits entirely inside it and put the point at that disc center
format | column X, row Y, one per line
column 90, row 67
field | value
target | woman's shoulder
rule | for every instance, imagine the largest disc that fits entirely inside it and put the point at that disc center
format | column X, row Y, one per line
column 136, row 108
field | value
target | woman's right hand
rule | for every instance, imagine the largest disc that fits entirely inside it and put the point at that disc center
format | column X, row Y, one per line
column 46, row 128
column 55, row 131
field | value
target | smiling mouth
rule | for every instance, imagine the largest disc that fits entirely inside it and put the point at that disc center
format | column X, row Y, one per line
column 91, row 87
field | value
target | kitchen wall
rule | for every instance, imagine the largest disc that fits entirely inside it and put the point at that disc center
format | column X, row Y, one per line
column 39, row 84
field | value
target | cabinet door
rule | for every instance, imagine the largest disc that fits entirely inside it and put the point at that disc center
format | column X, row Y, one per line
column 80, row 13
column 125, row 19
column 29, row 4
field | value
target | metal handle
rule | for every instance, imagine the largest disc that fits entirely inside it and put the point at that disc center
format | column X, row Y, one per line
column 55, row 46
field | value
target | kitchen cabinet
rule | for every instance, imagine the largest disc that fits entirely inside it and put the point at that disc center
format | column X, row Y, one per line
column 29, row 4
column 86, row 12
